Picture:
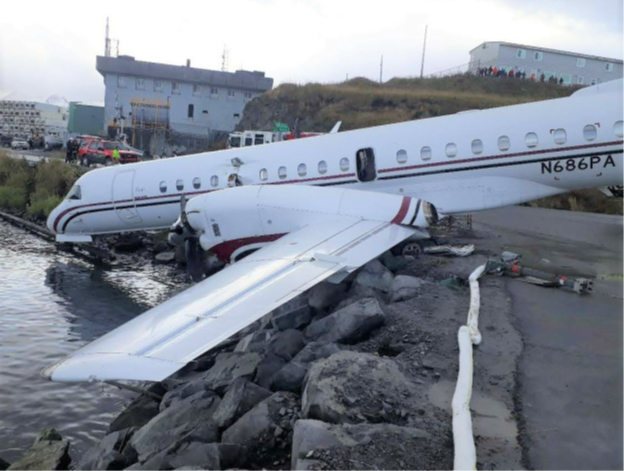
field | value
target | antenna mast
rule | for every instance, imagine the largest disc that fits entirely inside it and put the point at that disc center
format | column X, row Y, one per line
column 225, row 59
column 422, row 64
column 107, row 42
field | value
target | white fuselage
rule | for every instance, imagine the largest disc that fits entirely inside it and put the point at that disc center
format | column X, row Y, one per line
column 461, row 163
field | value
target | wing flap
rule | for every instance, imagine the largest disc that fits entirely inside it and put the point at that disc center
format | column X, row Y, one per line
column 159, row 342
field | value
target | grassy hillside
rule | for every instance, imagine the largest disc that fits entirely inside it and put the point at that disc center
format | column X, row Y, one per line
column 360, row 102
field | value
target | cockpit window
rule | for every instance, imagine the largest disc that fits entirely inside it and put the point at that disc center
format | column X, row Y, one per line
column 74, row 193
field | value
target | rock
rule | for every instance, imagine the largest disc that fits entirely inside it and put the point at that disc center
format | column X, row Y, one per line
column 392, row 262
column 269, row 365
column 316, row 351
column 294, row 319
column 165, row 257
column 228, row 367
column 45, row 454
column 160, row 247
column 107, row 453
column 253, row 428
column 286, row 344
column 290, row 377
column 190, row 418
column 238, row 400
column 4, row 464
column 128, row 242
column 325, row 295
column 139, row 412
column 185, row 454
column 404, row 287
column 255, row 342
column 350, row 442
column 366, row 378
column 348, row 325
column 187, row 390
column 232, row 455
column 374, row 275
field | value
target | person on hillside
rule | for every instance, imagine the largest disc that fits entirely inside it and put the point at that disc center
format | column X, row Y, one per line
column 68, row 153
column 116, row 155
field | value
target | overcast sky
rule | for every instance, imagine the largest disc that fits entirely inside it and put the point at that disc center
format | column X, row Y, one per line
column 49, row 47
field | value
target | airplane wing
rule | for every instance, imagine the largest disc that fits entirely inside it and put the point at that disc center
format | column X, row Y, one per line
column 164, row 339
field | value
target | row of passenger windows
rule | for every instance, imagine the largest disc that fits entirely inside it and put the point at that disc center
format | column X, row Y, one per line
column 214, row 182
column 559, row 136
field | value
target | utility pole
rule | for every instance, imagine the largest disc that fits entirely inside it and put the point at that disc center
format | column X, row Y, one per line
column 381, row 69
column 422, row 64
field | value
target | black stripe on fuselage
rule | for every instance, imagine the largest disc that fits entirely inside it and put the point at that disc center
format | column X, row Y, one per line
column 139, row 204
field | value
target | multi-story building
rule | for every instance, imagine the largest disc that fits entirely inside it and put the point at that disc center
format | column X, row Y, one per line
column 163, row 107
column 30, row 119
column 573, row 68
column 85, row 118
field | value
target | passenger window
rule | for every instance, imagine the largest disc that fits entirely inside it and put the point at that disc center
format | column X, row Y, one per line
column 163, row 187
column 531, row 139
column 344, row 164
column 560, row 136
column 504, row 143
column 425, row 153
column 589, row 132
column 617, row 129
column 477, row 146
column 365, row 161
column 196, row 183
column 451, row 149
column 302, row 170
column 264, row 174
column 281, row 172
column 248, row 141
column 214, row 181
column 401, row 156
column 180, row 185
column 322, row 167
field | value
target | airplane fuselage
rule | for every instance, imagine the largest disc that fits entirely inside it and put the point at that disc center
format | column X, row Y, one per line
column 461, row 163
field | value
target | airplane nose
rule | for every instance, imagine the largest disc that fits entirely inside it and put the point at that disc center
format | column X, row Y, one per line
column 52, row 217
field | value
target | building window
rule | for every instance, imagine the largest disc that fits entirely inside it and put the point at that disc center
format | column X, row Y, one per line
column 302, row 170
column 322, row 167
column 121, row 81
column 531, row 139
column 175, row 88
column 594, row 81
column 344, row 164
column 180, row 185
column 214, row 181
column 567, row 78
column 264, row 174
column 196, row 183
column 425, row 153
column 451, row 149
column 214, row 92
column 538, row 56
column 158, row 85
column 580, row 80
column 205, row 112
column 140, row 83
column 231, row 94
column 609, row 67
column 560, row 136
column 197, row 90
column 163, row 187
column 617, row 129
column 281, row 172
column 521, row 53
column 236, row 115
column 191, row 110
column 580, row 62
column 401, row 156
column 503, row 143
column 477, row 146
column 589, row 132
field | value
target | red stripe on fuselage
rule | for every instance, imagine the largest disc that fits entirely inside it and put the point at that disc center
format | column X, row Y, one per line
column 402, row 211
column 224, row 250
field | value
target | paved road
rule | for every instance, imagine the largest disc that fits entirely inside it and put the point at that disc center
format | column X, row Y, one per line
column 570, row 371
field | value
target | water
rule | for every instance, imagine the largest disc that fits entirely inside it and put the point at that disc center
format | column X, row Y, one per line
column 51, row 304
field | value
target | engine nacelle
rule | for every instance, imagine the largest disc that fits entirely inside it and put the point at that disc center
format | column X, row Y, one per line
column 251, row 216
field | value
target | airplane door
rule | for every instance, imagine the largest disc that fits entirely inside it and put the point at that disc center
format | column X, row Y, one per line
column 123, row 198
column 365, row 163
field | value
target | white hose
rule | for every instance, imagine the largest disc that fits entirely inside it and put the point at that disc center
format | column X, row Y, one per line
column 465, row 450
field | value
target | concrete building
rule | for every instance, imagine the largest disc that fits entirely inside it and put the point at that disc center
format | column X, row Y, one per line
column 31, row 119
column 166, row 107
column 576, row 69
column 85, row 118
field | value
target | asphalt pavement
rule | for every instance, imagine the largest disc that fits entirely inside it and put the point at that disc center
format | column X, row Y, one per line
column 569, row 375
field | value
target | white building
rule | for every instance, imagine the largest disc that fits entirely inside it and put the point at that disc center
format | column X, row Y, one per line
column 573, row 68
column 30, row 118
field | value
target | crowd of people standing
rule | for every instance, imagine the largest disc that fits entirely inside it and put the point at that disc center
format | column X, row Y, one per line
column 517, row 73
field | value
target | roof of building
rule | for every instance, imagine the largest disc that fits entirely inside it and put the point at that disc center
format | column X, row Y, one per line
column 545, row 49
column 127, row 65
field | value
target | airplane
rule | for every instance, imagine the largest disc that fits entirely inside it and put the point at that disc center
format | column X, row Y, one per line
column 295, row 213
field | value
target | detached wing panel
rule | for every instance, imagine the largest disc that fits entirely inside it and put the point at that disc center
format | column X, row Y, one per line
column 164, row 339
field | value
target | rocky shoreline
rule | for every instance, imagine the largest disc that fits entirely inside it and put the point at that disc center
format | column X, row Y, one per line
column 358, row 375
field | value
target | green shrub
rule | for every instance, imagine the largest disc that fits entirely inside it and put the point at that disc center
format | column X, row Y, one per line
column 13, row 198
column 42, row 207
